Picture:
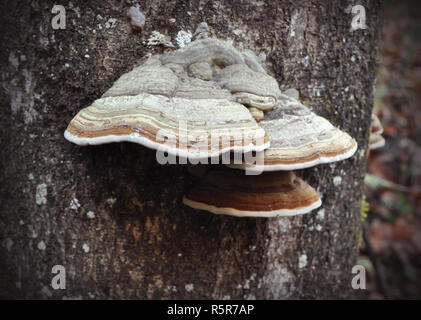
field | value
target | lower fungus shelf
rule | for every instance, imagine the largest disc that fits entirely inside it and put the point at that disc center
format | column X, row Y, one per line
column 231, row 192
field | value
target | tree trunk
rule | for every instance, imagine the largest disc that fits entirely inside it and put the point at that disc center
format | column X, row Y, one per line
column 112, row 216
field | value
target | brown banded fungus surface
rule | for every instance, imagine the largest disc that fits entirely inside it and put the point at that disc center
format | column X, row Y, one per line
column 147, row 119
column 271, row 194
column 300, row 139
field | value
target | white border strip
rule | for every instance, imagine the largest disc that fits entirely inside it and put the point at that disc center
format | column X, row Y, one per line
column 251, row 214
column 136, row 138
column 295, row 166
column 377, row 145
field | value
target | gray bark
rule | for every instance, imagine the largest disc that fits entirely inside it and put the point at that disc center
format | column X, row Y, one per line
column 142, row 242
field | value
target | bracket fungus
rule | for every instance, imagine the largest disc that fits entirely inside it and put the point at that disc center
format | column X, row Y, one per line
column 299, row 139
column 182, row 127
column 271, row 194
column 150, row 104
column 376, row 139
column 207, row 99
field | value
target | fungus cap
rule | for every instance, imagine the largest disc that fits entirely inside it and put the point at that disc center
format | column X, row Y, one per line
column 230, row 192
column 300, row 139
column 376, row 125
column 206, row 84
column 249, row 87
column 191, row 128
column 376, row 139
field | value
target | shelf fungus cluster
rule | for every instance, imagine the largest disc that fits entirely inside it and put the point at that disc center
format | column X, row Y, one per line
column 208, row 100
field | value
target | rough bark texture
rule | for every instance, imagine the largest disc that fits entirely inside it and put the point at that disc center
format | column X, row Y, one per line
column 143, row 243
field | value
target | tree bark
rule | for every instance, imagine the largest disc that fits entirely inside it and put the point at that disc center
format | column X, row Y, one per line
column 112, row 216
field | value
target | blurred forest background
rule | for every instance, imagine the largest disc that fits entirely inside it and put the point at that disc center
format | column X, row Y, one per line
column 391, row 245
